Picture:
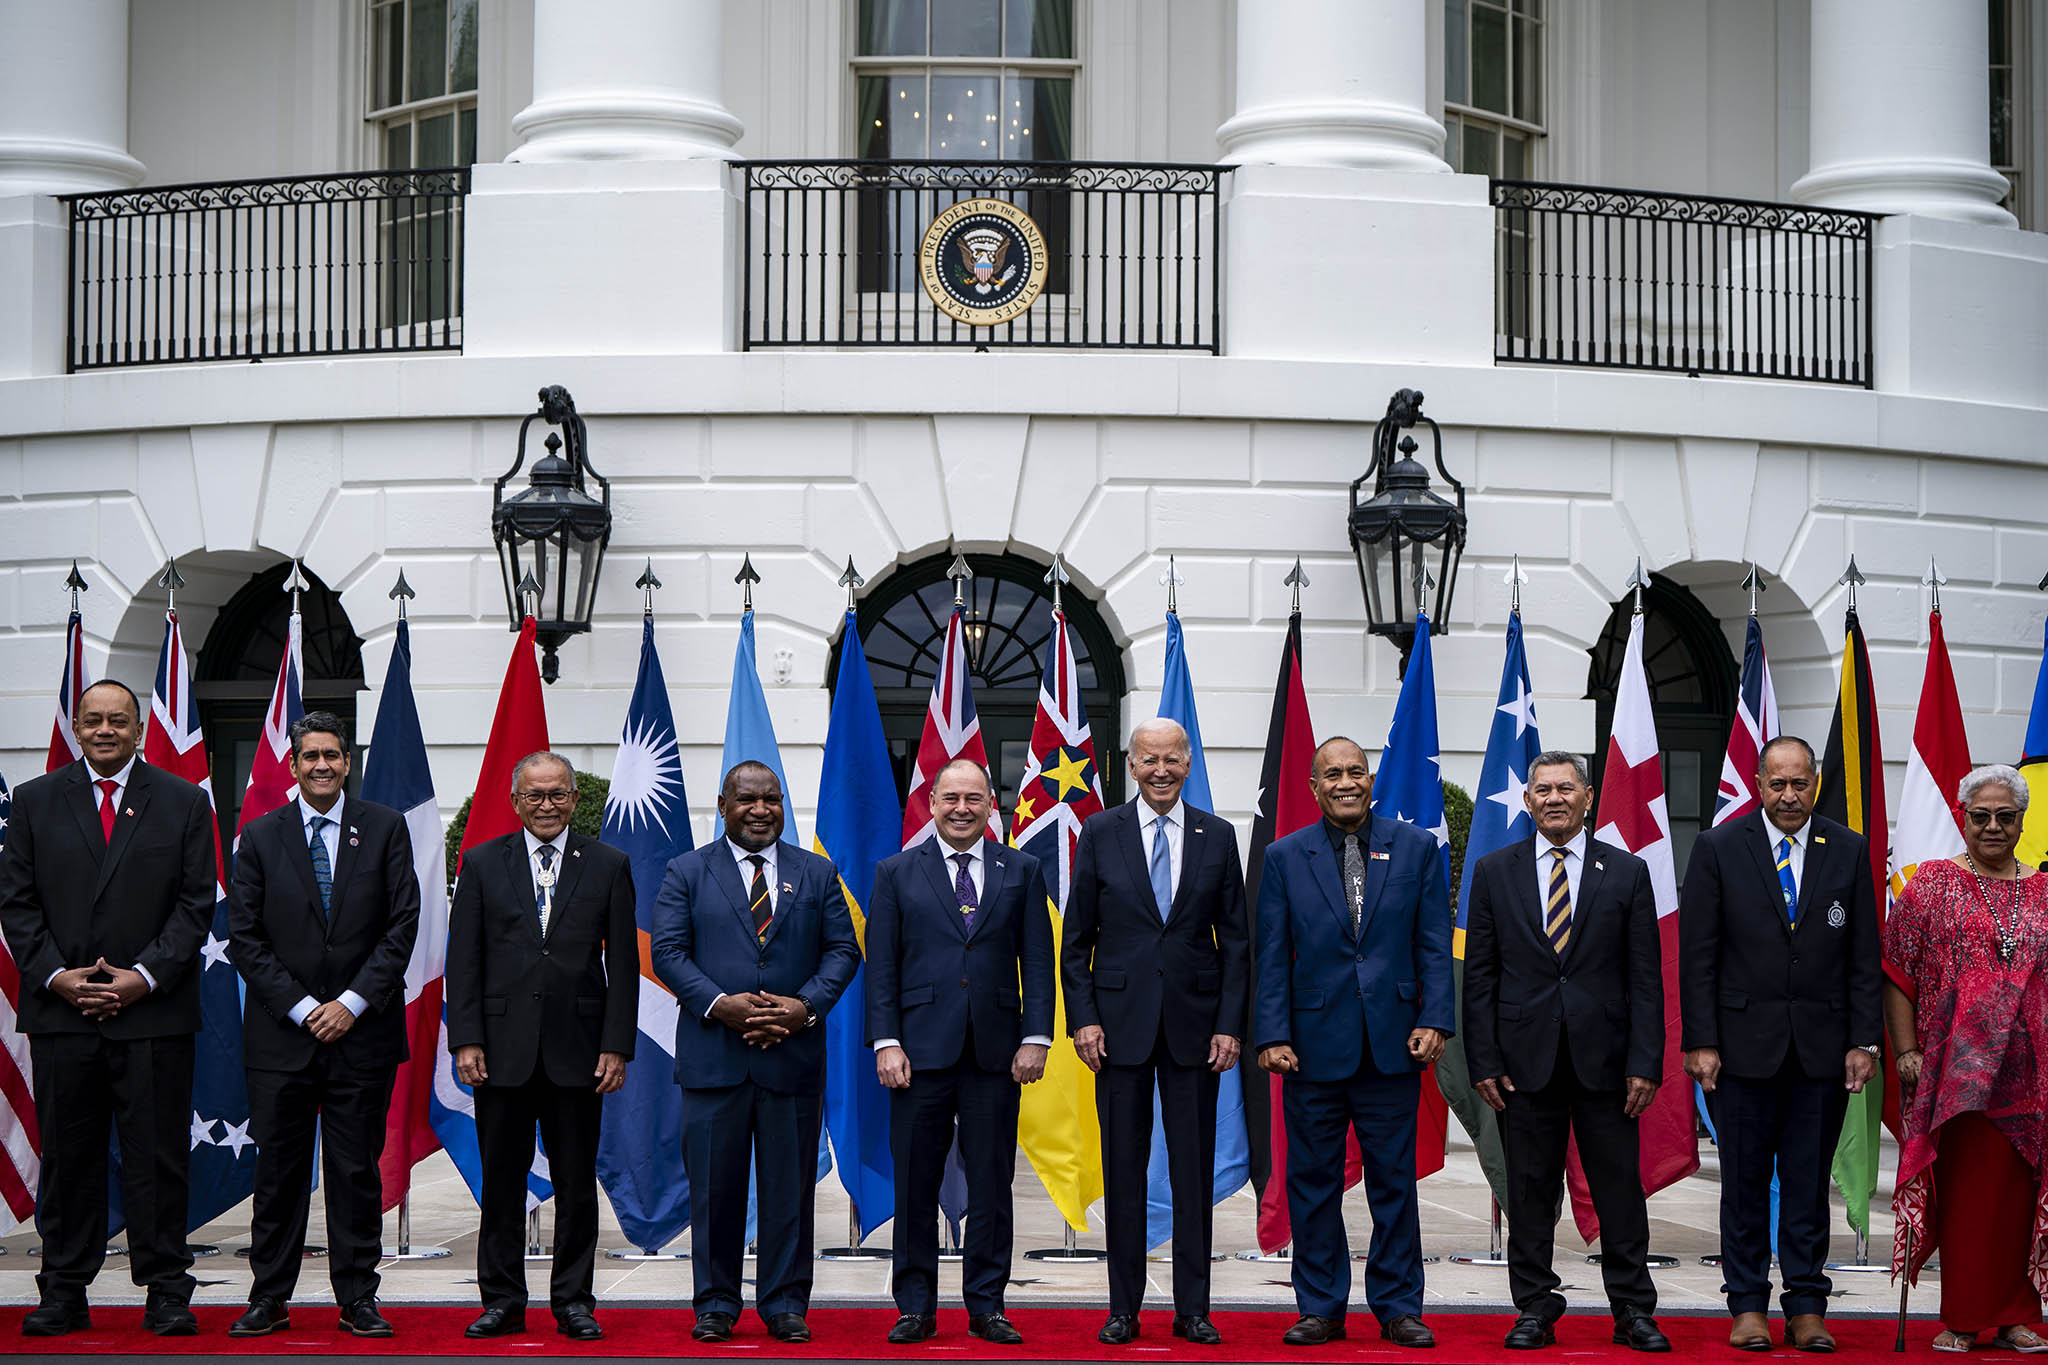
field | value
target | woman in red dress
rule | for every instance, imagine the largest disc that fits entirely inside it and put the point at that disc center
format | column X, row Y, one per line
column 1966, row 1005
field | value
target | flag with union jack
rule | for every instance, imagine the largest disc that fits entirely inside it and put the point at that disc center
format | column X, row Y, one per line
column 71, row 685
column 1755, row 725
column 270, row 776
column 21, row 1144
column 1060, row 789
column 951, row 730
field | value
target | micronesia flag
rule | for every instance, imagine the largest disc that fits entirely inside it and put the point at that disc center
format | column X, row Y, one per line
column 647, row 817
column 1233, row 1143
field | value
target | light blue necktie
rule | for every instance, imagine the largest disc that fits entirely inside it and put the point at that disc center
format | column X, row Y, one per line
column 1162, row 868
column 323, row 870
column 1785, row 882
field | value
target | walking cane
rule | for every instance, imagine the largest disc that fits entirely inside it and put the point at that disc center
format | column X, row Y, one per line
column 1905, row 1288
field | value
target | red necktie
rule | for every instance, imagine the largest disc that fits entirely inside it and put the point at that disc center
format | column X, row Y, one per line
column 107, row 786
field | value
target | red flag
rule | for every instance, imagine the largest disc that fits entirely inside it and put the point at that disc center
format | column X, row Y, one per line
column 519, row 728
column 1632, row 815
column 270, row 775
column 951, row 730
column 71, row 685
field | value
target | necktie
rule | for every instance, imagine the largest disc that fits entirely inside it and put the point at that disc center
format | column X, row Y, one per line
column 323, row 870
column 107, row 786
column 963, row 887
column 1162, row 868
column 1557, row 904
column 1785, row 882
column 758, row 904
column 544, row 887
column 1354, row 881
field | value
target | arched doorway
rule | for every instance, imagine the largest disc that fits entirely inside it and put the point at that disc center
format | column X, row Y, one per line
column 1692, row 676
column 1009, row 622
column 238, row 668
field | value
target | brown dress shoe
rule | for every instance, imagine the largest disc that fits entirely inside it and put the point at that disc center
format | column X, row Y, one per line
column 1750, row 1332
column 1808, row 1332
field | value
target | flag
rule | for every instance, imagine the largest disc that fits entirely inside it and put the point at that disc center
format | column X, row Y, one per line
column 71, row 685
column 1755, row 725
column 859, row 824
column 1852, row 793
column 270, row 774
column 1233, row 1153
column 951, row 730
column 1632, row 815
column 1930, row 823
column 750, row 730
column 396, row 775
column 1286, row 803
column 2033, row 845
column 1057, row 1128
column 1499, row 818
column 647, row 817
column 518, row 728
column 21, row 1144
column 222, row 1169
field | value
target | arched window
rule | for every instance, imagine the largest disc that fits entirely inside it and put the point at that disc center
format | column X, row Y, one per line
column 1692, row 677
column 1009, row 626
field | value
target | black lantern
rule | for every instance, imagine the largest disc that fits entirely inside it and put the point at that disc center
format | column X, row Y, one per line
column 1406, row 537
column 552, row 535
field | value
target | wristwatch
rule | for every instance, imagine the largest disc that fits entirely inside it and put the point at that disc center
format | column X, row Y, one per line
column 810, row 1011
column 1871, row 1048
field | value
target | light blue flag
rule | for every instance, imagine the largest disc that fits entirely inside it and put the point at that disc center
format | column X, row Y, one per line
column 749, row 730
column 859, row 823
column 1233, row 1144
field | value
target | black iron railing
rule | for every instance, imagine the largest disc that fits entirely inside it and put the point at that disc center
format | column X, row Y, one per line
column 1638, row 280
column 831, row 249
column 253, row 269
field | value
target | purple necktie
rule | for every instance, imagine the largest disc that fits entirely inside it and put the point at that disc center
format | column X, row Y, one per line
column 963, row 887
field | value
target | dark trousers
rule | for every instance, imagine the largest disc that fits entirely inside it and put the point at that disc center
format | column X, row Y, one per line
column 722, row 1129
column 1318, row 1115
column 921, row 1122
column 348, row 1107
column 142, row 1090
column 1187, row 1105
column 1535, row 1130
column 1794, row 1120
column 568, row 1118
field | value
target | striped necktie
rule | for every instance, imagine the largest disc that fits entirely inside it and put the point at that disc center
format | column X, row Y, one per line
column 323, row 870
column 758, row 904
column 1557, row 915
column 1785, row 882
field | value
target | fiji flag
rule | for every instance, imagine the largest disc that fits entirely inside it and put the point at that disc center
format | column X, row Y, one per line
column 647, row 817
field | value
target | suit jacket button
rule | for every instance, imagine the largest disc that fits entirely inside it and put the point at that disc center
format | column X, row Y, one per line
column 963, row 980
column 970, row 947
column 543, row 952
column 1562, row 979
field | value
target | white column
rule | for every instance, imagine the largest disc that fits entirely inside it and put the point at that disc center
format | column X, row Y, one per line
column 625, row 80
column 64, row 121
column 1333, row 83
column 1899, row 123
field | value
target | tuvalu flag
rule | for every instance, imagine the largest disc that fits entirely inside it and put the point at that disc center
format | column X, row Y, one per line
column 2033, row 845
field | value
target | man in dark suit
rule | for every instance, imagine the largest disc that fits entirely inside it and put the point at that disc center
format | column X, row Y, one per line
column 322, row 916
column 754, row 938
column 1354, row 1001
column 1779, row 977
column 960, row 1015
column 1154, row 957
column 106, row 893
column 543, row 1007
column 1564, row 1035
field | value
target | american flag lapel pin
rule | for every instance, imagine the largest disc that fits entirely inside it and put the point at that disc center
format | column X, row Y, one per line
column 1599, row 867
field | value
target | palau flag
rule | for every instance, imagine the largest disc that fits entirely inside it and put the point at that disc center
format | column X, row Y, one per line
column 1233, row 1149
column 647, row 817
column 859, row 824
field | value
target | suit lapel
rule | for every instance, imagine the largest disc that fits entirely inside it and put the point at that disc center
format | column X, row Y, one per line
column 726, row 872
column 1525, row 906
column 940, row 870
column 789, row 880
column 1194, row 844
column 1591, row 876
column 1322, row 864
column 1130, row 838
column 566, row 876
column 1378, row 859
column 1762, row 837
column 134, row 806
column 519, row 869
column 83, row 799
column 1817, row 847
column 298, row 851
column 995, row 878
column 347, row 842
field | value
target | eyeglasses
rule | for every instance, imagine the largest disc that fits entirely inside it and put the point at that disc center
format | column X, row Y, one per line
column 2006, row 817
column 547, row 798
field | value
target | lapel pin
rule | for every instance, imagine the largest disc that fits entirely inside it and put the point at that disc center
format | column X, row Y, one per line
column 788, row 890
column 1381, row 857
column 354, row 842
column 129, row 811
column 1599, row 867
column 1820, row 838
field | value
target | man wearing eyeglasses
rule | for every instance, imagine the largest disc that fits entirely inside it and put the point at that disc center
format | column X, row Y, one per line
column 1779, row 981
column 543, row 1003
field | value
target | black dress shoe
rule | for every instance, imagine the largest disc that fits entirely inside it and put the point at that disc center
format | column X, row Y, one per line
column 578, row 1324
column 168, row 1316
column 1120, row 1330
column 1196, row 1329
column 1314, row 1331
column 914, row 1327
column 713, row 1327
column 1531, row 1333
column 1638, row 1332
column 994, row 1328
column 362, row 1319
column 1408, row 1330
column 51, row 1319
column 265, row 1315
column 497, row 1322
column 789, row 1327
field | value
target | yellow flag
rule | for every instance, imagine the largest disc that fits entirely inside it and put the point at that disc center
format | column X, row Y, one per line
column 1056, row 1123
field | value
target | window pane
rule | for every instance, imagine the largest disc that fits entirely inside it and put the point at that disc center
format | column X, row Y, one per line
column 1489, row 59
column 2001, row 117
column 387, row 56
column 437, row 140
column 465, row 138
column 892, row 117
column 1040, row 119
column 1455, row 91
column 967, row 28
column 1454, row 141
column 1514, row 158
column 891, row 28
column 463, row 25
column 2001, row 32
column 426, row 65
column 398, row 146
column 1038, row 28
column 964, row 114
column 1479, row 143
column 1528, row 71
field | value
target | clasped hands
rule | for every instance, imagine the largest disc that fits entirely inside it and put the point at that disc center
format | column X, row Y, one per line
column 762, row 1019
column 102, row 999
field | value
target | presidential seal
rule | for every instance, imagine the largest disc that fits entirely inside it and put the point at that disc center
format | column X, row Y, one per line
column 982, row 262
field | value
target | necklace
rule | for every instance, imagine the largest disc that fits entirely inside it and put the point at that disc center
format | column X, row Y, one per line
column 2008, row 936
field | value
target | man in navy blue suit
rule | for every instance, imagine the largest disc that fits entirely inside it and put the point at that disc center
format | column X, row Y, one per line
column 753, row 936
column 1354, row 1000
column 1155, row 959
column 960, row 1015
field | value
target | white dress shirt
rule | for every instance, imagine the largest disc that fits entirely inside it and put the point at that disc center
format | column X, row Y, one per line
column 740, row 857
column 1574, row 871
column 330, row 835
column 977, row 872
column 100, row 798
column 1772, row 834
column 1176, row 835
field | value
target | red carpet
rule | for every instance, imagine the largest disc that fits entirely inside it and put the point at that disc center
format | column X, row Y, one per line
column 856, row 1334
